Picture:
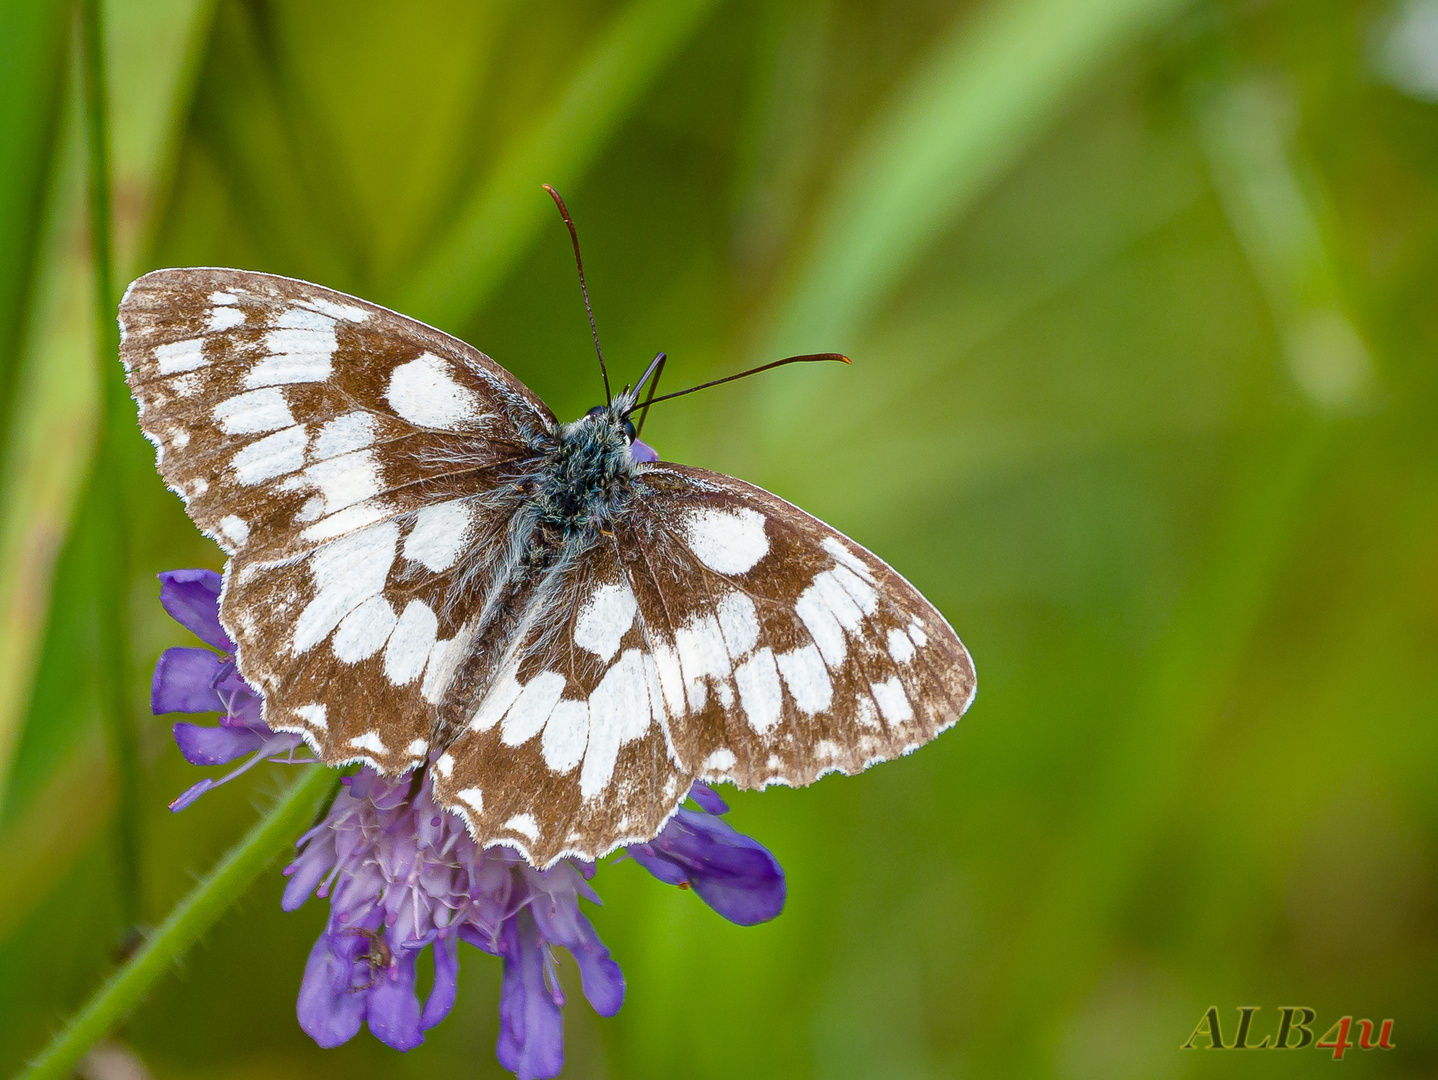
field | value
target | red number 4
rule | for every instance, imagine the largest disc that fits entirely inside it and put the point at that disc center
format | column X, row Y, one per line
column 1336, row 1037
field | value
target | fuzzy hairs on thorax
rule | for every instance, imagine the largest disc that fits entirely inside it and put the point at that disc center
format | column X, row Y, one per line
column 585, row 472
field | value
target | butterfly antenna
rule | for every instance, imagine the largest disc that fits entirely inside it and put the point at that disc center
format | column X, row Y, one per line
column 579, row 263
column 807, row 358
column 655, row 368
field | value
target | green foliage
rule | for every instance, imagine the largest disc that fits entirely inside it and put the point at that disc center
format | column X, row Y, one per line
column 1139, row 294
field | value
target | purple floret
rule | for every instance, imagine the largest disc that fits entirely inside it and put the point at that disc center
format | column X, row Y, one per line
column 732, row 873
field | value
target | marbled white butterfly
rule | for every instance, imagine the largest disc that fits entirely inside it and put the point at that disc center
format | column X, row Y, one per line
column 426, row 566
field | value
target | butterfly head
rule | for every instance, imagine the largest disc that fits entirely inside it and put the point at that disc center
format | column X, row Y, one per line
column 612, row 427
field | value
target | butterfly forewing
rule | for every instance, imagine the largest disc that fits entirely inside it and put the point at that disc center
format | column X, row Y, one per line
column 342, row 455
column 399, row 596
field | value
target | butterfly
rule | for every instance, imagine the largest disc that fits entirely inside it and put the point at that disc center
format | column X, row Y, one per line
column 427, row 568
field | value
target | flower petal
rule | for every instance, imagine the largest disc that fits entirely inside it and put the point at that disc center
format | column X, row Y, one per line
column 242, row 704
column 184, row 681
column 732, row 873
column 446, row 981
column 599, row 974
column 310, row 867
column 393, row 1005
column 555, row 908
column 328, row 1012
column 204, row 745
column 531, row 1028
column 708, row 799
column 670, row 873
column 190, row 794
column 192, row 597
column 642, row 452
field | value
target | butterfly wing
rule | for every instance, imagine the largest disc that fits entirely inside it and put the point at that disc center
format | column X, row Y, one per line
column 723, row 635
column 792, row 652
column 345, row 457
column 559, row 745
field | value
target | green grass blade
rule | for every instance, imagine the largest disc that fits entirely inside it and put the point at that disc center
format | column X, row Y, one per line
column 49, row 451
column 987, row 90
column 509, row 208
column 190, row 919
column 32, row 68
column 112, row 571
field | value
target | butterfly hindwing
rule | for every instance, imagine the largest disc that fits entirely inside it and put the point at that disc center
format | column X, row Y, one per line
column 561, row 746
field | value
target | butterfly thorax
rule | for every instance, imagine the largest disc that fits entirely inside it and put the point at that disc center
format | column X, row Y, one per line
column 585, row 475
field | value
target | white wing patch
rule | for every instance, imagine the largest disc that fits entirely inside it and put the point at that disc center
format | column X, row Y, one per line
column 720, row 761
column 759, row 693
column 566, row 736
column 236, row 530
column 604, row 619
column 410, row 643
column 807, row 679
column 438, row 536
column 340, row 481
column 901, row 648
column 364, row 631
column 524, row 824
column 345, row 433
column 370, row 741
column 301, row 349
column 727, row 541
column 526, row 717
column 893, row 702
column 424, row 393
column 223, row 318
column 619, row 713
column 274, row 455
column 253, row 412
column 346, row 573
column 181, row 356
column 348, row 312
column 313, row 715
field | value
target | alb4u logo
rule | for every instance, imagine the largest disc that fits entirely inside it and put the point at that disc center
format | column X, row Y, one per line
column 1295, row 1031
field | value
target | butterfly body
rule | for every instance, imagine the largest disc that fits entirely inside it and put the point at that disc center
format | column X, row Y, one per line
column 428, row 569
column 585, row 479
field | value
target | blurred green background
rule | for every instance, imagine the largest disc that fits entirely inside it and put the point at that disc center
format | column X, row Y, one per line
column 1142, row 297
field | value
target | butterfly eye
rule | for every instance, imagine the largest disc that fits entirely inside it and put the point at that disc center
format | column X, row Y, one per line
column 629, row 430
column 598, row 410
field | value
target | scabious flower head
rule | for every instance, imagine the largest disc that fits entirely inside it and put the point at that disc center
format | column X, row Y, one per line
column 403, row 875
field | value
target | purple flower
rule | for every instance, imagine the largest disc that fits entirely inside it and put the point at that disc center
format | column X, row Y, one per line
column 641, row 452
column 191, row 680
column 403, row 875
column 732, row 873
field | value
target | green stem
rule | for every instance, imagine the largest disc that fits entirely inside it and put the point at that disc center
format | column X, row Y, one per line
column 190, row 919
column 110, row 542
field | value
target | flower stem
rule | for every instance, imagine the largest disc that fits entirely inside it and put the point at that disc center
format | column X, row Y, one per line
column 190, row 919
column 110, row 545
